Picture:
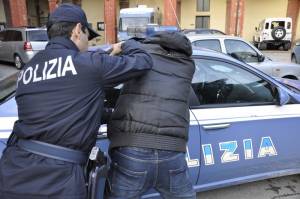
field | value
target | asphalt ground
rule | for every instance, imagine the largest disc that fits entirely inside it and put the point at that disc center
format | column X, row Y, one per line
column 8, row 76
column 278, row 188
column 278, row 55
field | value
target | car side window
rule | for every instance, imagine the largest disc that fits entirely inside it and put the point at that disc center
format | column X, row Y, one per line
column 17, row 36
column 2, row 33
column 221, row 83
column 213, row 44
column 267, row 26
column 9, row 35
column 241, row 51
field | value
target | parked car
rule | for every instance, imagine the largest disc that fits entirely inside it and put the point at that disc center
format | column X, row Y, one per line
column 19, row 45
column 295, row 57
column 244, row 125
column 274, row 31
column 246, row 52
column 202, row 31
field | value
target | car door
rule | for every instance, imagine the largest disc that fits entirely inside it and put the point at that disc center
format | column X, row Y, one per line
column 193, row 146
column 244, row 135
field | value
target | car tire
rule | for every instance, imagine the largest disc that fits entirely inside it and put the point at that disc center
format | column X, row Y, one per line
column 286, row 46
column 18, row 62
column 278, row 33
column 262, row 46
column 293, row 59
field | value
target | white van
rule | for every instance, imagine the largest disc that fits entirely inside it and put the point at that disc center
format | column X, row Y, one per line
column 274, row 31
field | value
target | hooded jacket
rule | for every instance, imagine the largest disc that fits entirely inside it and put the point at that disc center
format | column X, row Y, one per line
column 152, row 110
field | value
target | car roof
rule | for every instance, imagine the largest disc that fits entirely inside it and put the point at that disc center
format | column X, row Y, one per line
column 187, row 31
column 278, row 19
column 25, row 28
column 199, row 36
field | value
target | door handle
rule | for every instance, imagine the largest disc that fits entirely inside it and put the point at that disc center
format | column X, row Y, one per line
column 216, row 126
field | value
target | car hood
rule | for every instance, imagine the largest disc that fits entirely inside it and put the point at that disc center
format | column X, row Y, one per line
column 290, row 82
column 274, row 64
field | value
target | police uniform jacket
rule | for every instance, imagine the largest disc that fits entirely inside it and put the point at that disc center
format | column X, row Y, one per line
column 152, row 110
column 60, row 100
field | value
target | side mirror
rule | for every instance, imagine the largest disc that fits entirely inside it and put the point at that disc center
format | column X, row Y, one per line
column 282, row 97
column 260, row 58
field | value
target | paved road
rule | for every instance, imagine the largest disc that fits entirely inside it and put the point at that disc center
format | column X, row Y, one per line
column 6, row 70
column 278, row 55
column 277, row 188
column 8, row 76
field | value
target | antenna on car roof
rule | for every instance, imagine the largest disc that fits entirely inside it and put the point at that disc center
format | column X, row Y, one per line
column 175, row 14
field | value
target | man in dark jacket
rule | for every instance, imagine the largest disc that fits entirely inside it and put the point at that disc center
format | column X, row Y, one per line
column 148, row 130
column 60, row 100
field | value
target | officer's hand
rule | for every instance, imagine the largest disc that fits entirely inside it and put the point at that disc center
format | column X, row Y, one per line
column 116, row 48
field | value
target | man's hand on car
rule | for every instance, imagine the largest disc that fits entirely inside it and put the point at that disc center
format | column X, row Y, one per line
column 117, row 49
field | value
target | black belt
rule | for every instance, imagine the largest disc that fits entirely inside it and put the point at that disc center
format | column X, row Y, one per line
column 53, row 151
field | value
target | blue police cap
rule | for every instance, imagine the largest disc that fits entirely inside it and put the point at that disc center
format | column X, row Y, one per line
column 70, row 13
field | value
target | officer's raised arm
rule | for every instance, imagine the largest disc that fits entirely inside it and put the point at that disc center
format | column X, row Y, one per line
column 117, row 69
column 60, row 98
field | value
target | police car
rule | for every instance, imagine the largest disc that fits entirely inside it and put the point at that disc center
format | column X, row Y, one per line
column 244, row 125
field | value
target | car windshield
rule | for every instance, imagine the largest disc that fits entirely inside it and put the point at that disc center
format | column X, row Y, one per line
column 133, row 22
column 37, row 35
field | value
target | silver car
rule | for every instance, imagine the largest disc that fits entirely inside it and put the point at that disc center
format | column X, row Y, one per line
column 246, row 52
column 19, row 45
column 295, row 57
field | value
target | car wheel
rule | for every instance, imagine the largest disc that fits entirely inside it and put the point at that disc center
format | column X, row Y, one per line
column 18, row 62
column 278, row 33
column 286, row 46
column 262, row 46
column 294, row 60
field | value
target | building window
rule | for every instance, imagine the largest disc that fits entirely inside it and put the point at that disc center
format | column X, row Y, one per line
column 203, row 5
column 202, row 21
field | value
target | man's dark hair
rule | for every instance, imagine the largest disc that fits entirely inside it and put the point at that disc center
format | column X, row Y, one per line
column 62, row 29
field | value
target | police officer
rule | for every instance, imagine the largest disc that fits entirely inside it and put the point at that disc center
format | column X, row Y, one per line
column 60, row 100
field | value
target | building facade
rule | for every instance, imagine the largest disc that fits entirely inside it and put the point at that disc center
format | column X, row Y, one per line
column 235, row 17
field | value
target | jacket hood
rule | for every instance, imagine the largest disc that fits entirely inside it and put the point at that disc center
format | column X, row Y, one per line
column 171, row 41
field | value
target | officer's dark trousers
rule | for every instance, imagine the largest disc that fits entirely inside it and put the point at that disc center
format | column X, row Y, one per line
column 24, row 175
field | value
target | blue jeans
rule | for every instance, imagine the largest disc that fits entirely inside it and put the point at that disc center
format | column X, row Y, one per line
column 136, row 170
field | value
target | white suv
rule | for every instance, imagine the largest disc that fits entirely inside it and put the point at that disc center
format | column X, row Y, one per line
column 274, row 31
